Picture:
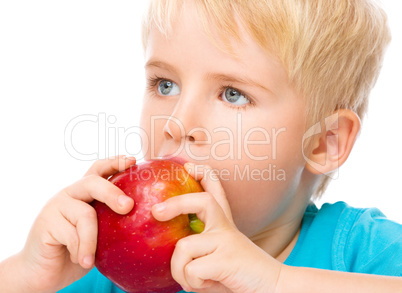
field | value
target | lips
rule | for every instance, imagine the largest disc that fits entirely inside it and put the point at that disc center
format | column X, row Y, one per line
column 176, row 159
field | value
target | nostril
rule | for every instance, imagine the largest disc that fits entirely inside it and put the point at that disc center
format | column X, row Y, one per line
column 191, row 138
column 168, row 135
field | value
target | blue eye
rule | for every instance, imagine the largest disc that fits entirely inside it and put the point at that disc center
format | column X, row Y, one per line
column 168, row 88
column 234, row 97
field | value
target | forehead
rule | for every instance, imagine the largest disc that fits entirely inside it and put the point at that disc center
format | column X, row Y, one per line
column 190, row 47
column 266, row 22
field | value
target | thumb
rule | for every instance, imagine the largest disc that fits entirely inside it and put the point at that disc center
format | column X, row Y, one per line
column 209, row 180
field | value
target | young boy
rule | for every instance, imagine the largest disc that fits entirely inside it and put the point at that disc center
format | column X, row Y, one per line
column 264, row 100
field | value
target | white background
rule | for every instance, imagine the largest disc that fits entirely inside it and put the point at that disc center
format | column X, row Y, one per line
column 64, row 59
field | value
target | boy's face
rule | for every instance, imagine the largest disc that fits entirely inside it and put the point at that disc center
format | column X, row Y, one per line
column 238, row 115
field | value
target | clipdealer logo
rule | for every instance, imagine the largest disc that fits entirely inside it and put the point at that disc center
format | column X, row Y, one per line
column 113, row 140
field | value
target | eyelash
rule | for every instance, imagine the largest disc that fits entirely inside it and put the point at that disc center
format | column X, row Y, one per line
column 154, row 81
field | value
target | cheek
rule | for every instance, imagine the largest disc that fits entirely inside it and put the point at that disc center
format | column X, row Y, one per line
column 152, row 122
column 261, row 183
column 259, row 191
column 260, row 144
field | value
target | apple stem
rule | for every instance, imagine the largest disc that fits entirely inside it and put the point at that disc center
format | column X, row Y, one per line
column 196, row 224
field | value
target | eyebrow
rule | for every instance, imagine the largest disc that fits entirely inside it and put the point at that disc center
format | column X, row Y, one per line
column 211, row 76
column 235, row 79
column 160, row 64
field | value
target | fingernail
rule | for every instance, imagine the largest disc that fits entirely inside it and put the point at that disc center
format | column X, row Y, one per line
column 130, row 158
column 123, row 200
column 160, row 207
column 189, row 166
column 88, row 260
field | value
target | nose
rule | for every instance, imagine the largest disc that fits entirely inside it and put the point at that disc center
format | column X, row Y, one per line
column 185, row 123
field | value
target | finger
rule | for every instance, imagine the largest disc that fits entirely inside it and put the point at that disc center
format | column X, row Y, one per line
column 94, row 187
column 107, row 167
column 199, row 274
column 211, row 286
column 83, row 217
column 203, row 204
column 193, row 257
column 209, row 180
column 186, row 250
column 62, row 232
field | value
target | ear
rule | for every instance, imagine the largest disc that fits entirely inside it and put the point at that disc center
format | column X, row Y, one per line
column 332, row 146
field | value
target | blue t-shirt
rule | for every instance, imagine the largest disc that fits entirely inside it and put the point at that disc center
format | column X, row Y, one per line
column 335, row 237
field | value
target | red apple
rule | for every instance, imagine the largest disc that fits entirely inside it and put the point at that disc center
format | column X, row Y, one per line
column 134, row 250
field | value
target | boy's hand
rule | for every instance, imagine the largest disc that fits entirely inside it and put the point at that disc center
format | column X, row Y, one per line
column 220, row 259
column 61, row 245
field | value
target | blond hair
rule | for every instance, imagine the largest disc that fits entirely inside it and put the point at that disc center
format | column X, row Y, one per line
column 332, row 49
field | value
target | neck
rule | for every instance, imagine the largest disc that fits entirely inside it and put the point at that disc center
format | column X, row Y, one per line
column 279, row 238
column 279, row 241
